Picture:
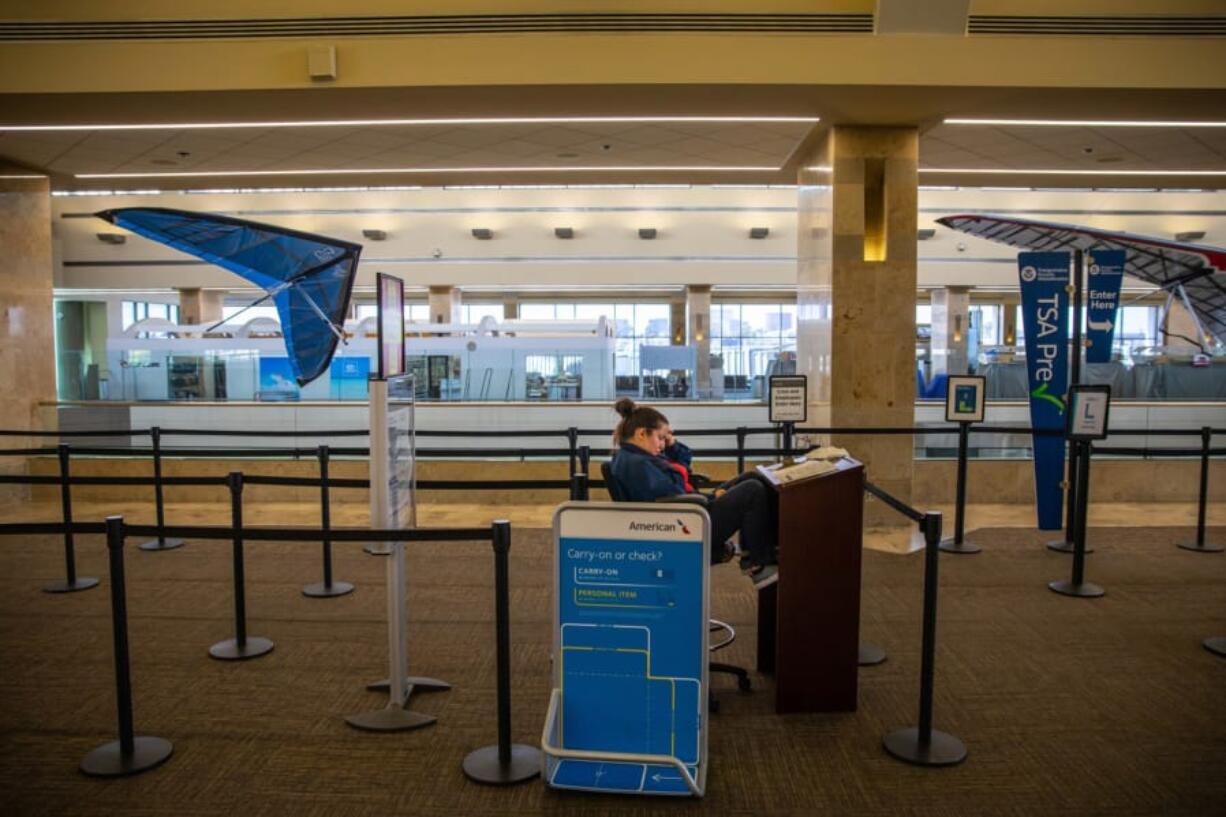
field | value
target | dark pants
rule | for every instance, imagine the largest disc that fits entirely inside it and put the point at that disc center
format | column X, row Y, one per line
column 746, row 506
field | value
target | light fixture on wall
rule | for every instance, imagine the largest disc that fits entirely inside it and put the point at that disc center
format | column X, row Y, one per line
column 647, row 233
column 925, row 234
column 112, row 238
column 375, row 235
column 564, row 232
column 482, row 233
column 759, row 232
column 1190, row 235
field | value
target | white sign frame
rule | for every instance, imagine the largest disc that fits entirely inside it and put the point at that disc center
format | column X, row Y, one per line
column 782, row 400
column 1089, row 410
column 952, row 415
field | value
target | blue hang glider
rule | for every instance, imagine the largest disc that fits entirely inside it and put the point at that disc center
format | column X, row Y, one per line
column 308, row 277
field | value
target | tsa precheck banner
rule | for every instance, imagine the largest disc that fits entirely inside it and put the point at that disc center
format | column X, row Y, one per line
column 630, row 645
column 1044, row 278
column 1106, row 268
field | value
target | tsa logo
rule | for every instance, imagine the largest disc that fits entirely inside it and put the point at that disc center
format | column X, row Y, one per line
column 1029, row 274
column 1095, row 269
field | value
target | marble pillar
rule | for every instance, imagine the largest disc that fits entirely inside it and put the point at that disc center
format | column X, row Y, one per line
column 856, row 283
column 698, row 323
column 510, row 308
column 676, row 321
column 1008, row 327
column 27, row 329
column 444, row 304
column 951, row 310
column 199, row 307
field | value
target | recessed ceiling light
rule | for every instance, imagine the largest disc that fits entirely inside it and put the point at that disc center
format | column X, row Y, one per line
column 194, row 174
column 482, row 233
column 376, row 123
column 1090, row 123
column 647, row 233
column 564, row 232
column 925, row 233
column 1190, row 235
column 112, row 238
column 375, row 235
column 759, row 232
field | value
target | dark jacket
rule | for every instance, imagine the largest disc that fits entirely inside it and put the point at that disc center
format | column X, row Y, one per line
column 644, row 477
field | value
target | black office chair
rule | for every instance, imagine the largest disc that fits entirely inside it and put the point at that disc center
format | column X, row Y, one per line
column 742, row 675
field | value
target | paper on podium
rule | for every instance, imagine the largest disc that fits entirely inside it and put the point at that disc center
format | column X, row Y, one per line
column 786, row 474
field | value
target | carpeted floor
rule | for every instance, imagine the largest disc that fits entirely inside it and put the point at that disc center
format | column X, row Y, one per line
column 1067, row 706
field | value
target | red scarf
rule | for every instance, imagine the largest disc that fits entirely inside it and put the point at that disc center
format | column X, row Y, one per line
column 685, row 474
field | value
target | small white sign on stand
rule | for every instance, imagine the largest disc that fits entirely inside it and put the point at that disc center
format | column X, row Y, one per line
column 789, row 401
column 1089, row 407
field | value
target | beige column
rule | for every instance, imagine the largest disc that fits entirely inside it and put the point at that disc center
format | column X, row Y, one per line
column 444, row 304
column 27, row 330
column 951, row 310
column 698, row 335
column 199, row 306
column 510, row 308
column 676, row 321
column 856, row 284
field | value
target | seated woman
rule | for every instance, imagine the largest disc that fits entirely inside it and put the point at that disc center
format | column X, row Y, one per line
column 645, row 472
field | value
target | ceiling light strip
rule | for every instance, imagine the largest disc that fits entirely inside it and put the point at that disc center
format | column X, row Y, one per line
column 433, row 170
column 996, row 171
column 1090, row 123
column 375, row 123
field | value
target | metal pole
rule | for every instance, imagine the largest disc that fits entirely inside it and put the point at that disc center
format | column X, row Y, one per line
column 922, row 745
column 1070, row 517
column 741, row 433
column 585, row 459
column 787, row 438
column 504, row 763
column 957, row 545
column 1077, row 586
column 161, row 542
column 71, row 581
column 578, row 487
column 932, row 537
column 129, row 754
column 572, row 442
column 327, row 588
column 1199, row 545
column 240, row 647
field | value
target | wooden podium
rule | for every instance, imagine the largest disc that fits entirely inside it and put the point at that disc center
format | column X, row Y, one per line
column 809, row 621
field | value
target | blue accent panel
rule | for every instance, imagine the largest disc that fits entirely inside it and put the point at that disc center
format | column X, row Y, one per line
column 1044, row 278
column 1106, row 275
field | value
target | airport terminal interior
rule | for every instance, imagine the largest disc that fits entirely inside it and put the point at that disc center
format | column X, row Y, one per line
column 934, row 292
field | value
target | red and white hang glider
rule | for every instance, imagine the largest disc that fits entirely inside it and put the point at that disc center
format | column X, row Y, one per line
column 1193, row 272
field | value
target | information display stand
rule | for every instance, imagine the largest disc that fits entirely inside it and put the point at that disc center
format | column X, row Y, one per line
column 393, row 506
column 631, row 600
column 809, row 621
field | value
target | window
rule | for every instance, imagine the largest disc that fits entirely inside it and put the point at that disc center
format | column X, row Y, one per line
column 133, row 311
column 634, row 324
column 989, row 324
column 473, row 313
column 750, row 337
column 228, row 312
column 1137, row 326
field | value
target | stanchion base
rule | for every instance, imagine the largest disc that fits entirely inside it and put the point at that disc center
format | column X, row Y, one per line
column 1216, row 645
column 391, row 718
column 483, row 766
column 1085, row 590
column 161, row 544
column 870, row 654
column 229, row 650
column 1065, row 546
column 108, row 761
column 942, row 750
column 81, row 583
column 327, row 591
column 378, row 549
column 949, row 546
column 1207, row 547
column 414, row 683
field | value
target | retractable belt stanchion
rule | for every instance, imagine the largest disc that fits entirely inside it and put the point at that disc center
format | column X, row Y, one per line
column 585, row 460
column 1077, row 586
column 240, row 647
column 922, row 745
column 505, row 762
column 578, row 487
column 72, row 582
column 572, row 443
column 741, row 433
column 1068, row 543
column 958, row 544
column 161, row 542
column 1199, row 546
column 327, row 588
column 130, row 754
